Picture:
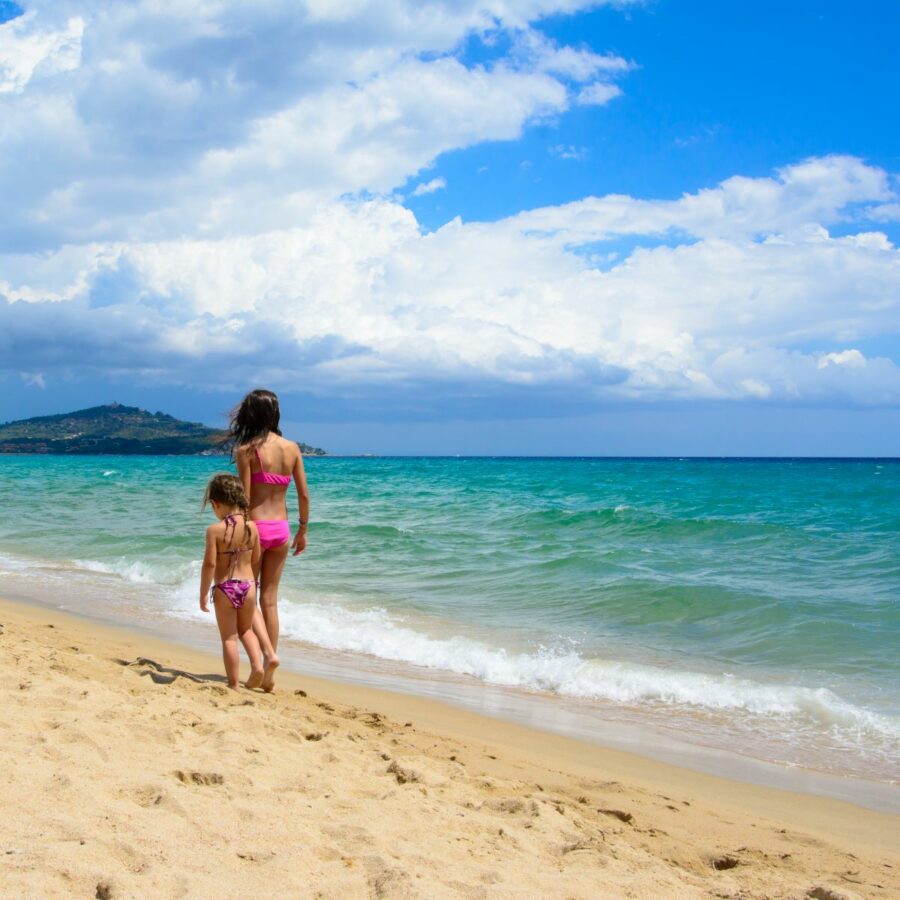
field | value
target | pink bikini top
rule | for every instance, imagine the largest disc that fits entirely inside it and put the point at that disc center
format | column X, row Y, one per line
column 264, row 477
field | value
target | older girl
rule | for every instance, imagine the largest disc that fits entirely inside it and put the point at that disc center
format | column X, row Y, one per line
column 266, row 464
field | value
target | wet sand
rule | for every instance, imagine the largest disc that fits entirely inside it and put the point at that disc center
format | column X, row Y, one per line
column 131, row 771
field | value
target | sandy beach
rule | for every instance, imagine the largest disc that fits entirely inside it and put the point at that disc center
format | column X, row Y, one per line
column 131, row 771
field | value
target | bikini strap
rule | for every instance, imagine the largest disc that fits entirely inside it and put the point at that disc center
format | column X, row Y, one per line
column 230, row 519
column 262, row 468
column 234, row 552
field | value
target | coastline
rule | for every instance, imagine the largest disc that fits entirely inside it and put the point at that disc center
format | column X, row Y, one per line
column 652, row 740
column 528, row 805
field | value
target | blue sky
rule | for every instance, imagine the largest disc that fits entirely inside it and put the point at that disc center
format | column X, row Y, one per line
column 542, row 227
column 718, row 89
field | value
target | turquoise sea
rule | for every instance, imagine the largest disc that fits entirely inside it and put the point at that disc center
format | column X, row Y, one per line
column 748, row 605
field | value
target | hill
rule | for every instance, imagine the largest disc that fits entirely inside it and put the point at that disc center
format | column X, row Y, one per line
column 116, row 429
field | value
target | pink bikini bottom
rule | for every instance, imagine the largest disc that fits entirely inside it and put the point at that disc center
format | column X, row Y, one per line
column 273, row 533
column 235, row 590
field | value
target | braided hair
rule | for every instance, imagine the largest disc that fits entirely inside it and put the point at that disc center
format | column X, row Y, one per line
column 227, row 489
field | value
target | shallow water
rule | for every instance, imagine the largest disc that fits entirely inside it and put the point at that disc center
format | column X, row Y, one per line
column 751, row 605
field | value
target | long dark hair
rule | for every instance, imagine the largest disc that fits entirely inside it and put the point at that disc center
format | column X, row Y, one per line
column 254, row 418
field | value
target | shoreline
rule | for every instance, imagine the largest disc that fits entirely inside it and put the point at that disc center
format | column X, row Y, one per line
column 736, row 820
column 456, row 721
column 549, row 714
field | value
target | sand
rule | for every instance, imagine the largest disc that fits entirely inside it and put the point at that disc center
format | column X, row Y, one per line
column 129, row 770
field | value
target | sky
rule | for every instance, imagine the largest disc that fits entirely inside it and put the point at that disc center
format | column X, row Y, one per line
column 507, row 227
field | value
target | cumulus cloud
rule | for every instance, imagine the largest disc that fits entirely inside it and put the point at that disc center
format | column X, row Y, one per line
column 152, row 119
column 360, row 300
column 25, row 50
column 205, row 195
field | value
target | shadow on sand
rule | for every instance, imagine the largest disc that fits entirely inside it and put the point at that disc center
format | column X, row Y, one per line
column 166, row 675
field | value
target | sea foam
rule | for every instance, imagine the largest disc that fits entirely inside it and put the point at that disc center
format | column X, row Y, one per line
column 566, row 672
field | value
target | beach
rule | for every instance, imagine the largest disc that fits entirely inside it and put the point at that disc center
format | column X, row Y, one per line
column 131, row 771
column 718, row 607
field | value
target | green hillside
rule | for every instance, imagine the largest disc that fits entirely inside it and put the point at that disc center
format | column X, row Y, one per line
column 115, row 429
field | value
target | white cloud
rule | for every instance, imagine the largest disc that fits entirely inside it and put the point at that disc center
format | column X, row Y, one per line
column 598, row 93
column 568, row 151
column 804, row 195
column 851, row 357
column 151, row 119
column 24, row 52
column 34, row 379
column 359, row 298
column 176, row 185
column 429, row 187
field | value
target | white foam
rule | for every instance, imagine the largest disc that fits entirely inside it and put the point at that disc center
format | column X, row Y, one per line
column 373, row 631
column 139, row 571
column 330, row 624
column 16, row 564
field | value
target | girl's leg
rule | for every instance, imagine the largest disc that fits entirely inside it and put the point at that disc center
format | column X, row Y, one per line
column 227, row 620
column 269, row 579
column 271, row 567
column 245, row 619
column 259, row 625
column 262, row 635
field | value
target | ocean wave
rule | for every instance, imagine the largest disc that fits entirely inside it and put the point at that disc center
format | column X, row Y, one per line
column 330, row 623
column 141, row 571
column 629, row 521
column 567, row 673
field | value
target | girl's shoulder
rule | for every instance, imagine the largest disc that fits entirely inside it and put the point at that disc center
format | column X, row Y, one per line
column 291, row 447
column 243, row 451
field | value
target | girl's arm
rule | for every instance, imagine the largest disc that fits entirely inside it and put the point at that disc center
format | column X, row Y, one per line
column 242, row 458
column 208, row 569
column 303, row 498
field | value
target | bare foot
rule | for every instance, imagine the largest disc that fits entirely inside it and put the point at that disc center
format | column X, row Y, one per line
column 268, row 682
column 255, row 679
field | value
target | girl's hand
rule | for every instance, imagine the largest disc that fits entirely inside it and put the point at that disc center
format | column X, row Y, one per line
column 204, row 603
column 299, row 544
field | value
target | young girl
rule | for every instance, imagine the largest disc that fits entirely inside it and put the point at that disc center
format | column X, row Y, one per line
column 232, row 556
column 266, row 464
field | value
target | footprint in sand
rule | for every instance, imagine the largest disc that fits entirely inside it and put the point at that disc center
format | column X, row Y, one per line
column 403, row 776
column 619, row 814
column 825, row 892
column 258, row 856
column 199, row 778
column 385, row 881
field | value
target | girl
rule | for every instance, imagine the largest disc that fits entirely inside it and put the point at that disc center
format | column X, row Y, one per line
column 232, row 555
column 266, row 463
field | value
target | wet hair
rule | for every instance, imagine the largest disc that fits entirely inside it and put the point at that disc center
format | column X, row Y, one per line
column 254, row 418
column 227, row 489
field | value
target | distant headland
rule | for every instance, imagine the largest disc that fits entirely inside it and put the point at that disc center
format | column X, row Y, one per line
column 117, row 429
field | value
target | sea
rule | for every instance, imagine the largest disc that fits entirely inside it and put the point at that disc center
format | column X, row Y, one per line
column 721, row 608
